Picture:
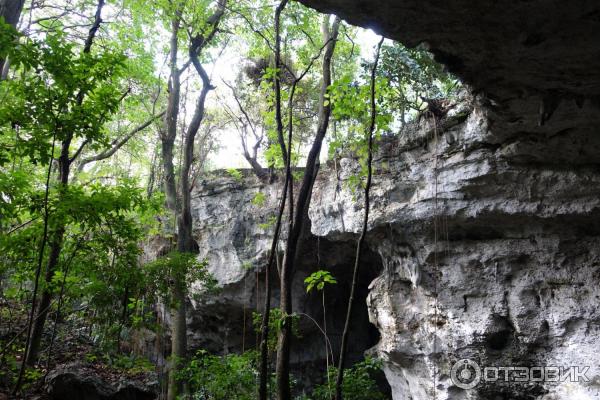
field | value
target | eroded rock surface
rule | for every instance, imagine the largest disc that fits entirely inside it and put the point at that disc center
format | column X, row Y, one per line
column 76, row 381
column 481, row 246
column 234, row 224
column 489, row 254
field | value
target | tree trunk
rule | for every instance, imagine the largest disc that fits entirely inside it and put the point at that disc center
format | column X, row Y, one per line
column 277, row 80
column 185, row 239
column 171, row 116
column 178, row 337
column 169, row 176
column 10, row 10
column 340, row 373
column 302, row 204
column 43, row 307
column 178, row 329
column 264, row 351
column 258, row 170
column 64, row 166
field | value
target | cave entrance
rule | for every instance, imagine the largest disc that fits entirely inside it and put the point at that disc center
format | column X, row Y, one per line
column 337, row 257
column 225, row 326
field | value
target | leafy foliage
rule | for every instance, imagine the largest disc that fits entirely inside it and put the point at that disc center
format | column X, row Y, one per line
column 259, row 199
column 186, row 267
column 318, row 280
column 61, row 99
column 276, row 320
column 234, row 377
column 413, row 76
column 235, row 174
column 221, row 378
column 61, row 94
column 359, row 382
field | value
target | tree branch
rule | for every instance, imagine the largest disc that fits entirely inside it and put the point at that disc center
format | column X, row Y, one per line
column 117, row 144
column 94, row 29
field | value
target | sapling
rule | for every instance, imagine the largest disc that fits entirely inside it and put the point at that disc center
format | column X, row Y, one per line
column 318, row 280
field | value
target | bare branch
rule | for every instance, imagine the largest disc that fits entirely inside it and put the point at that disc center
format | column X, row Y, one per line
column 251, row 25
column 92, row 34
column 117, row 144
column 239, row 104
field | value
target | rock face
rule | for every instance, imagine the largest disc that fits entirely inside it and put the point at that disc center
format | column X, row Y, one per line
column 233, row 221
column 481, row 246
column 76, row 381
column 489, row 254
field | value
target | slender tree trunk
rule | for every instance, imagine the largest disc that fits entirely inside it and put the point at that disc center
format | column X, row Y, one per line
column 10, row 10
column 185, row 239
column 297, row 226
column 363, row 234
column 152, row 175
column 258, row 170
column 264, row 351
column 171, row 116
column 277, row 79
column 37, row 273
column 178, row 337
column 185, row 242
column 169, row 175
column 45, row 298
column 178, row 334
column 264, row 337
column 64, row 168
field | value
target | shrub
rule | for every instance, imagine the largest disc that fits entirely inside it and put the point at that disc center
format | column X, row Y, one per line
column 359, row 383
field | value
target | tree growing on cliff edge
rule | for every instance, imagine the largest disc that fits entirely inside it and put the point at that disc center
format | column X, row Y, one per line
column 281, row 81
column 413, row 77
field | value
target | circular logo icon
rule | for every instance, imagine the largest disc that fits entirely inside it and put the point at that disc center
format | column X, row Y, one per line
column 466, row 374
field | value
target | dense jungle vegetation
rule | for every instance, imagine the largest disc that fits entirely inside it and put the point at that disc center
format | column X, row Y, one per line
column 113, row 111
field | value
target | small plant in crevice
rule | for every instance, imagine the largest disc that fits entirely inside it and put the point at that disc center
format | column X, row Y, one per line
column 259, row 199
column 269, row 223
column 235, row 174
column 247, row 265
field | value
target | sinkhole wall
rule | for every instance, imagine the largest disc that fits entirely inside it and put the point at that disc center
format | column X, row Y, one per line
column 481, row 246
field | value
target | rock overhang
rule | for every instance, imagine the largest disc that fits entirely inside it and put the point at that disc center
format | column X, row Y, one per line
column 536, row 62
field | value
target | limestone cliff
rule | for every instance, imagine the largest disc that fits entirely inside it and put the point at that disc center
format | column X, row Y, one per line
column 481, row 245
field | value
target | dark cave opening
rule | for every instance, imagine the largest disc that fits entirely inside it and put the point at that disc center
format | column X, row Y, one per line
column 224, row 325
column 337, row 257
